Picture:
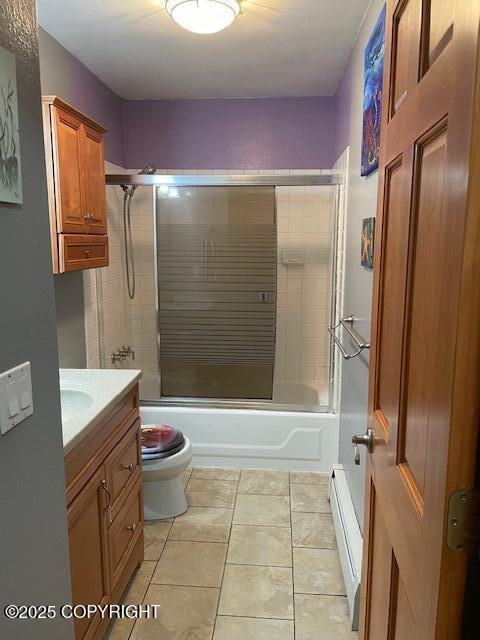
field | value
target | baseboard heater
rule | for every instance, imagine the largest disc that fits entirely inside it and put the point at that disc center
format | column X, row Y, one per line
column 349, row 539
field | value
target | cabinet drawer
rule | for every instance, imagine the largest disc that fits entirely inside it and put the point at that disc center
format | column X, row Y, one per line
column 125, row 531
column 82, row 252
column 124, row 466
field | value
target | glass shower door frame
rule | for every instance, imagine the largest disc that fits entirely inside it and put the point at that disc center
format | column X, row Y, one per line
column 306, row 180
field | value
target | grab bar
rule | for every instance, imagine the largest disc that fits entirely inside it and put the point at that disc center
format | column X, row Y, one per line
column 347, row 324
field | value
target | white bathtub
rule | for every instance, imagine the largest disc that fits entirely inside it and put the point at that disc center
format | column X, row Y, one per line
column 254, row 438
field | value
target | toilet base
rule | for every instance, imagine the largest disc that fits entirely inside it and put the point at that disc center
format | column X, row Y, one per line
column 164, row 499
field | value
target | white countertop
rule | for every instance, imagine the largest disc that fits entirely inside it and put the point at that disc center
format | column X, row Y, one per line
column 88, row 395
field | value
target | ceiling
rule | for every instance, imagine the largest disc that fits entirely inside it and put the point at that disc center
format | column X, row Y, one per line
column 275, row 48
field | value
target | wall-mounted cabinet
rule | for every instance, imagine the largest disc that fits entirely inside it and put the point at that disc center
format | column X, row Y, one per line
column 76, row 187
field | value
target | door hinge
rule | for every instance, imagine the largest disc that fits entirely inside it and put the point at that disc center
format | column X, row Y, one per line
column 463, row 530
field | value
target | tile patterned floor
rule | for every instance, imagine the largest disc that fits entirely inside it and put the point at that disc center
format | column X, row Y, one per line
column 254, row 558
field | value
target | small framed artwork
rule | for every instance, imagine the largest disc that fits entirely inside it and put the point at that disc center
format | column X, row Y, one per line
column 368, row 240
column 372, row 97
column 10, row 168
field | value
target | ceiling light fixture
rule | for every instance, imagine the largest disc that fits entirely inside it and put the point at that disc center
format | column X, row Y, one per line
column 203, row 16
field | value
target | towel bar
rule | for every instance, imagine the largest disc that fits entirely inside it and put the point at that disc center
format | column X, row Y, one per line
column 347, row 324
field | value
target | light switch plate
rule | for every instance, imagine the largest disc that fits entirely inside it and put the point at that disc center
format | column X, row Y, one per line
column 16, row 401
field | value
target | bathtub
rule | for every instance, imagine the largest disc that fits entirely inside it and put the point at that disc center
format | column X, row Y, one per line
column 252, row 438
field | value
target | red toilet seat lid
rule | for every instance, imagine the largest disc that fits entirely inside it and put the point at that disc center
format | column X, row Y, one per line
column 159, row 438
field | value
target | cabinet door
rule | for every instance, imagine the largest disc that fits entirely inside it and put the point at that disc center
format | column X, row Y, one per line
column 68, row 173
column 93, row 166
column 87, row 534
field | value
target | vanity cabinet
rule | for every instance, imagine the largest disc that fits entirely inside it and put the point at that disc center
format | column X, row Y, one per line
column 105, row 511
column 74, row 152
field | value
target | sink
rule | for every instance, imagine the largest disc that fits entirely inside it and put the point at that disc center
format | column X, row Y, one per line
column 74, row 402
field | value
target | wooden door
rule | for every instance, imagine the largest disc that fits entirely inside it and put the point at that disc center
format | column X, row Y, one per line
column 68, row 173
column 87, row 535
column 94, row 180
column 425, row 373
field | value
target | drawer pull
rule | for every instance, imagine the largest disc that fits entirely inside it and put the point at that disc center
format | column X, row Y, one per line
column 132, row 528
column 88, row 252
column 109, row 502
column 129, row 467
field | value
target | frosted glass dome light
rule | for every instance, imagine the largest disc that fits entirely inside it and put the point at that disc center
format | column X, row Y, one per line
column 203, row 16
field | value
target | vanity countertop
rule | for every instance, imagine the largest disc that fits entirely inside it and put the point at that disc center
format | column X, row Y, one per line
column 87, row 395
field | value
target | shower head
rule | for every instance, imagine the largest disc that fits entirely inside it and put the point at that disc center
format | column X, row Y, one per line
column 149, row 170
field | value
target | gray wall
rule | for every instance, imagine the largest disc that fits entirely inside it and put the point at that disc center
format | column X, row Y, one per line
column 362, row 203
column 56, row 80
column 33, row 550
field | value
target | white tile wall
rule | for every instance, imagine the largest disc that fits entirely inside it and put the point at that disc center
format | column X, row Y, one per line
column 304, row 219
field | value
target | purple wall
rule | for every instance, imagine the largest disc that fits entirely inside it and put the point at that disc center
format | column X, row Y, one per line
column 95, row 99
column 66, row 77
column 266, row 133
column 343, row 108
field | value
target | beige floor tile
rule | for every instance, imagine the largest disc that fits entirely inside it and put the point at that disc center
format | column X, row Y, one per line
column 309, row 477
column 309, row 498
column 186, row 613
column 262, row 510
column 314, row 530
column 186, row 476
column 202, row 524
column 211, row 493
column 197, row 564
column 264, row 482
column 227, row 628
column 121, row 628
column 215, row 473
column 155, row 534
column 318, row 571
column 322, row 618
column 256, row 592
column 269, row 546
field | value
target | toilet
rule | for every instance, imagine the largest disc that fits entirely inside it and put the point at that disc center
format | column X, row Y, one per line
column 166, row 453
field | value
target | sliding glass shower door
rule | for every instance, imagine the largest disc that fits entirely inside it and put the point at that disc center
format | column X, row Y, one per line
column 216, row 274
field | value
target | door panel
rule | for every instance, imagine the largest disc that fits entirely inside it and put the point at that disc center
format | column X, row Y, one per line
column 69, row 181
column 94, row 172
column 424, row 406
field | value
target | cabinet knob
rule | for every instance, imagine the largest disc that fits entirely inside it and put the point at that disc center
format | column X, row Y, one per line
column 132, row 528
column 87, row 252
column 129, row 467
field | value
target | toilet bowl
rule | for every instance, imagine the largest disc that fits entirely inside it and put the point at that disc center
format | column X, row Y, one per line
column 163, row 492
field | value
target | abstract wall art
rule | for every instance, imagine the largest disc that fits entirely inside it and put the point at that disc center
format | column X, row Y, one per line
column 10, row 169
column 368, row 240
column 372, row 96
